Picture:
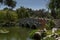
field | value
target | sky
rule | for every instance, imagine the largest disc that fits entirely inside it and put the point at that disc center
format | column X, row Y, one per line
column 34, row 4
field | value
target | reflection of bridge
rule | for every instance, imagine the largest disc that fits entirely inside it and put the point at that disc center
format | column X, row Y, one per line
column 31, row 22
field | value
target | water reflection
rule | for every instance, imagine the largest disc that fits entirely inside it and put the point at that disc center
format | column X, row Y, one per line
column 16, row 34
column 28, row 38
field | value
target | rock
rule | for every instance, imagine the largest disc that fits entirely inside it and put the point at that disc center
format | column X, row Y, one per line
column 55, row 35
column 4, row 31
column 37, row 36
column 40, row 34
column 58, row 38
column 54, row 30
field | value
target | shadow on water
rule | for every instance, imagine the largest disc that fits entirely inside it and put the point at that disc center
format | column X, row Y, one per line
column 16, row 33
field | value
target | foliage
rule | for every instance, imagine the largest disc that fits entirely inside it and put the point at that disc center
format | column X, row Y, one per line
column 58, row 13
column 27, row 12
column 49, row 32
column 43, row 34
column 50, row 24
column 32, row 33
column 58, row 31
column 40, row 13
column 22, row 13
column 54, row 5
column 9, row 3
column 7, row 17
column 1, row 1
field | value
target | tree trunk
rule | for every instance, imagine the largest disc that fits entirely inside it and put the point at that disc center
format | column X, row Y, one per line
column 53, row 13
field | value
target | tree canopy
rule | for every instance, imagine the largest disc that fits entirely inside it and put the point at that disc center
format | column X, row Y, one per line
column 9, row 3
column 53, row 6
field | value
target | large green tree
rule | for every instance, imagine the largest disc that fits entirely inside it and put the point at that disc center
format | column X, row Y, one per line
column 53, row 6
column 22, row 12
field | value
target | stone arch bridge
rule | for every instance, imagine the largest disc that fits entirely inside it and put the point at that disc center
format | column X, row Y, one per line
column 32, row 22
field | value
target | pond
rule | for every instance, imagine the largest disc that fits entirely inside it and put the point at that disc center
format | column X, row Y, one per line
column 15, row 33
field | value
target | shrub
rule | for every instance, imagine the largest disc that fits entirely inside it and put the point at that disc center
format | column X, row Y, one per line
column 32, row 33
column 50, row 24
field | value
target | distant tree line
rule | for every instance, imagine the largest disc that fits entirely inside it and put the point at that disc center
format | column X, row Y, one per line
column 28, row 12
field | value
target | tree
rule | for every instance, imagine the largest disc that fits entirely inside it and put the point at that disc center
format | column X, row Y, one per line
column 54, row 5
column 1, row 1
column 50, row 24
column 31, row 12
column 41, row 13
column 22, row 12
column 9, row 3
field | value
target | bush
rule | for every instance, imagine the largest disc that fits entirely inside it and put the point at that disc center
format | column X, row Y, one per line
column 43, row 34
column 32, row 33
column 50, row 24
column 8, row 18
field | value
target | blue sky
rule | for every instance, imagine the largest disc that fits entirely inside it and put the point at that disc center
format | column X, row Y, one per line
column 34, row 4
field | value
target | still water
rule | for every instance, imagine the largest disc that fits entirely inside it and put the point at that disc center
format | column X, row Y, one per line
column 15, row 33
